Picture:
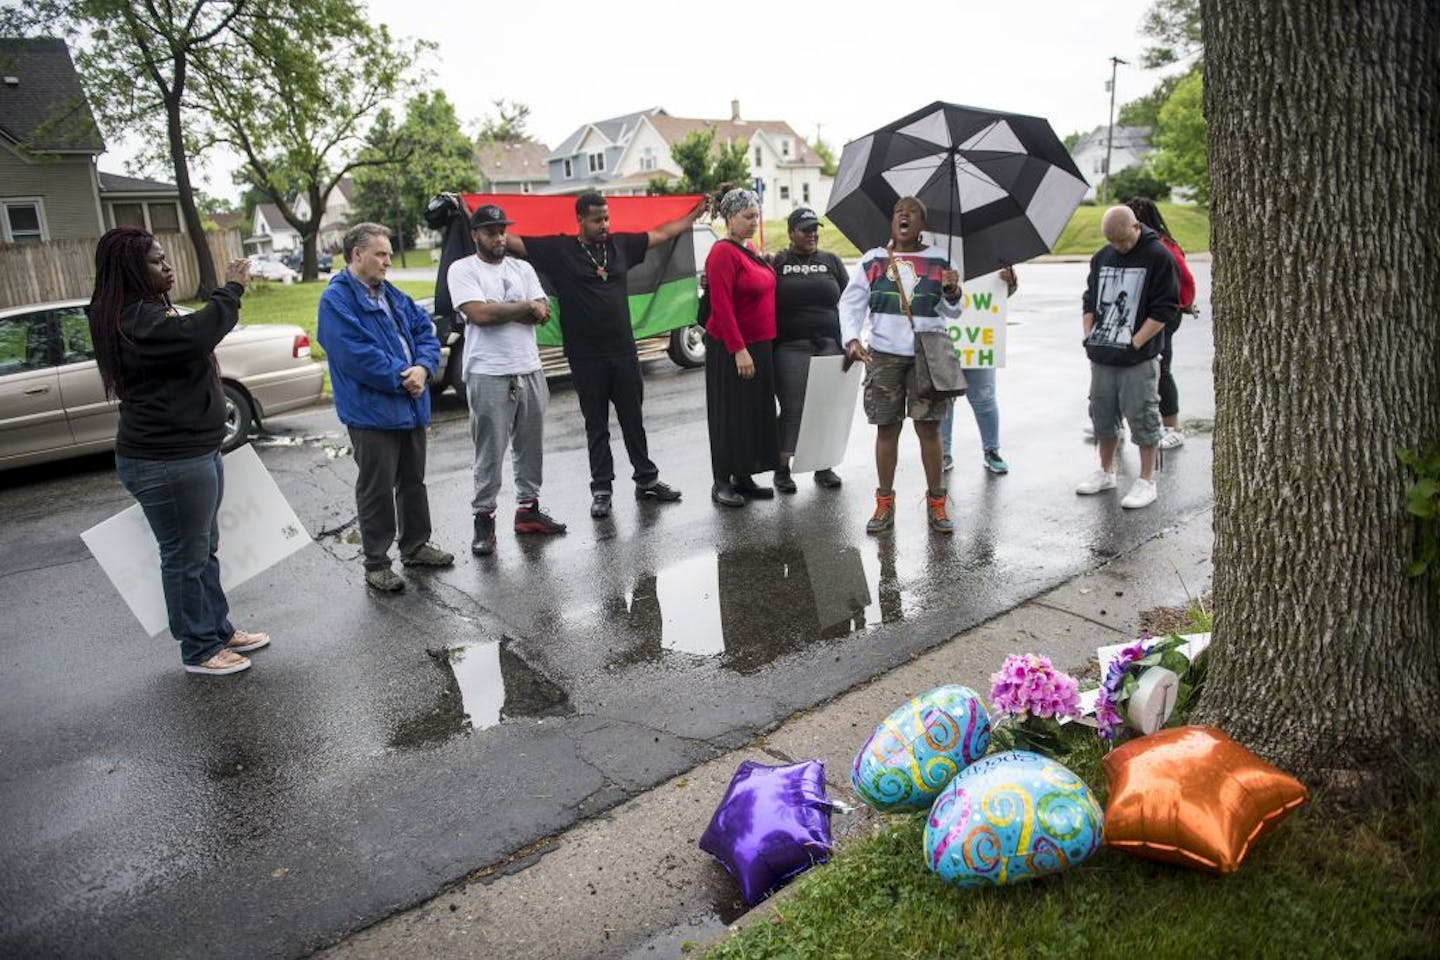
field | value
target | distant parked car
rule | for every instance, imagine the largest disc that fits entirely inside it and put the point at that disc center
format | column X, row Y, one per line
column 53, row 406
column 267, row 269
column 295, row 260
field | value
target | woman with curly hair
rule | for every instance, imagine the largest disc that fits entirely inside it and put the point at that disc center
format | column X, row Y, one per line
column 161, row 366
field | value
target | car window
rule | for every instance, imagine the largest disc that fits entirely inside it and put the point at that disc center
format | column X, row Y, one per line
column 24, row 342
column 75, row 343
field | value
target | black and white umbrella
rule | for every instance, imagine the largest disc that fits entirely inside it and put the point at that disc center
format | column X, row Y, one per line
column 999, row 187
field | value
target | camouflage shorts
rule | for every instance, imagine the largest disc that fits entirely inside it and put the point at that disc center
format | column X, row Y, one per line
column 892, row 394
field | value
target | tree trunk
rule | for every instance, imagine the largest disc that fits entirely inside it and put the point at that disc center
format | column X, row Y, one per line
column 310, row 233
column 1322, row 119
column 180, row 160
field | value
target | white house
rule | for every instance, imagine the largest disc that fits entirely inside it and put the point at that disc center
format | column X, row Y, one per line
column 1130, row 147
column 270, row 232
column 621, row 155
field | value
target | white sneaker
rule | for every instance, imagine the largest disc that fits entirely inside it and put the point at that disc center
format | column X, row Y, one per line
column 1142, row 494
column 1097, row 481
column 1171, row 439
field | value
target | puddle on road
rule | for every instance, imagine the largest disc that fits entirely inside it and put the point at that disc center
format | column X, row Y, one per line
column 750, row 606
column 484, row 684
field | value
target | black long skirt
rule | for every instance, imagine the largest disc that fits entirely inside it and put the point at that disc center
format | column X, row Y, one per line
column 744, row 432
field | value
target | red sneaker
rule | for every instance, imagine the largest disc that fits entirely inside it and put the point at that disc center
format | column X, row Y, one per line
column 529, row 518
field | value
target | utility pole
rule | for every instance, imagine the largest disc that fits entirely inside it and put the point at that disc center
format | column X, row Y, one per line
column 1110, row 134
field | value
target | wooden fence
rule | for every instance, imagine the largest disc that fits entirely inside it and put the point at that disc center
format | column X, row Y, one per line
column 65, row 269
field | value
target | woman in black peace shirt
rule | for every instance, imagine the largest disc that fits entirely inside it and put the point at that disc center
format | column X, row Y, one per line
column 808, row 282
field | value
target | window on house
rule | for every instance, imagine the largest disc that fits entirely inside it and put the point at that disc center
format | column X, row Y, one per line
column 164, row 218
column 525, row 187
column 805, row 192
column 758, row 157
column 647, row 159
column 597, row 162
column 784, row 191
column 784, row 148
column 129, row 214
column 22, row 221
column 569, row 170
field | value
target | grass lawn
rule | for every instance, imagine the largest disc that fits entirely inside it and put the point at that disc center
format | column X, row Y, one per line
column 1326, row 883
column 1191, row 226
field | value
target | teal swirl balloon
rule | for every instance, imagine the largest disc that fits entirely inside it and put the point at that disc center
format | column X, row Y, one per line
column 920, row 747
column 1011, row 817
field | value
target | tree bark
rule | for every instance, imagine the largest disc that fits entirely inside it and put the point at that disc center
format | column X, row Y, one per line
column 193, row 226
column 1325, row 186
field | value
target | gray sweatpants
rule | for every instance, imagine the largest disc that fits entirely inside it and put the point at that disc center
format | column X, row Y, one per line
column 507, row 411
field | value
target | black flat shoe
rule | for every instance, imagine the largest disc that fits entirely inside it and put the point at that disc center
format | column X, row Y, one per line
column 753, row 491
column 784, row 482
column 725, row 495
column 827, row 478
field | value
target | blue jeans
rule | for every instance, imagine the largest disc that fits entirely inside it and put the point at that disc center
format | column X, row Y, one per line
column 181, row 500
column 980, row 391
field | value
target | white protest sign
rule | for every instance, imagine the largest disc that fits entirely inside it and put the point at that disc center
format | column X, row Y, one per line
column 257, row 530
column 979, row 332
column 830, row 395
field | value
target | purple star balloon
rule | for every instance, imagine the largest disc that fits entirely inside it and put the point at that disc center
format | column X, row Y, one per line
column 773, row 823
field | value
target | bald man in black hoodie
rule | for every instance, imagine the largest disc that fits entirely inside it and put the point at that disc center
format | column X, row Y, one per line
column 1134, row 283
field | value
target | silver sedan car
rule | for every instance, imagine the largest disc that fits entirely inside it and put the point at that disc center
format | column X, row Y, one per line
column 53, row 406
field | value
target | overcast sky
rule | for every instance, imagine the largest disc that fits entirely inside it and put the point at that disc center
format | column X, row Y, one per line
column 844, row 67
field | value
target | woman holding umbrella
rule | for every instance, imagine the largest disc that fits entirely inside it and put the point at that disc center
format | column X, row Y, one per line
column 739, row 375
column 907, row 276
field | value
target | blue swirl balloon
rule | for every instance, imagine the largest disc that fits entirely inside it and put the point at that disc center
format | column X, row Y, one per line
column 920, row 747
column 1011, row 817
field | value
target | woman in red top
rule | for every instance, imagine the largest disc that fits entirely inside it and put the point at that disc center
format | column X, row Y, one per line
column 1149, row 214
column 739, row 377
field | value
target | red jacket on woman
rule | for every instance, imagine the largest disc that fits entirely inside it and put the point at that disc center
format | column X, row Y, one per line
column 742, row 297
column 1187, row 279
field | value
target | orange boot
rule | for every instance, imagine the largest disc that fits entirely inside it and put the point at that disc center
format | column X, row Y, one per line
column 935, row 509
column 884, row 518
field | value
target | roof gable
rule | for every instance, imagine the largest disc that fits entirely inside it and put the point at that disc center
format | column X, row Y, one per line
column 44, row 110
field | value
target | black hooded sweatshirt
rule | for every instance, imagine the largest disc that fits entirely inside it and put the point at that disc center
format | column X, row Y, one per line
column 172, row 406
column 1123, row 291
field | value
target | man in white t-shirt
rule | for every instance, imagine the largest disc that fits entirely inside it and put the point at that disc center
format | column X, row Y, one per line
column 502, row 302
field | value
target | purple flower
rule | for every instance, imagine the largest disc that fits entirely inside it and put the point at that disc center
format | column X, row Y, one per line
column 1028, row 684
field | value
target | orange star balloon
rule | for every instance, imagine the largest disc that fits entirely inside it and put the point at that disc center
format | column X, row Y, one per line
column 1194, row 797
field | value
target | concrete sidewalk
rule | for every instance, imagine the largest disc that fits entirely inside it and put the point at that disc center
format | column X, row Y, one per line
column 633, row 882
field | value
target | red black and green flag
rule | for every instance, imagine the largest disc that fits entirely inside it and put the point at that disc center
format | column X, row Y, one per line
column 663, row 291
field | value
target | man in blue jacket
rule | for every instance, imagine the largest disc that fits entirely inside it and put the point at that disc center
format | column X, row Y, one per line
column 382, row 352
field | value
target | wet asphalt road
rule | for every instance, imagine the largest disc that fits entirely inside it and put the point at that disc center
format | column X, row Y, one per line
column 365, row 762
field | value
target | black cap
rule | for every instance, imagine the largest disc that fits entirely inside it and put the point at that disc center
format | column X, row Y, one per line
column 487, row 215
column 803, row 217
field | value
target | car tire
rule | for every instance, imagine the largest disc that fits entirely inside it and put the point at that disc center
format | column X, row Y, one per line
column 239, row 417
column 687, row 346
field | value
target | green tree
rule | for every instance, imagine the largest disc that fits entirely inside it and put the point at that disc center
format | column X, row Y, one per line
column 1137, row 182
column 829, row 163
column 428, row 153
column 507, row 124
column 704, row 166
column 1145, row 111
column 314, row 82
column 1181, row 154
column 137, row 62
column 1175, row 28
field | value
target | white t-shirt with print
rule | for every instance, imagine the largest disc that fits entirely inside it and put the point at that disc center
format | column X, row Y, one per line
column 510, row 347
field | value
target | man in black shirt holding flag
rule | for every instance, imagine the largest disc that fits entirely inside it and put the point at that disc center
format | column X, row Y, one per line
column 588, row 275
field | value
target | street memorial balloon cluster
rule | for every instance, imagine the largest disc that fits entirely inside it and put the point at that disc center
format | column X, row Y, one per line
column 919, row 747
column 1188, row 795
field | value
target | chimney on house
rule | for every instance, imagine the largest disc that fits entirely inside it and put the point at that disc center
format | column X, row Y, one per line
column 735, row 111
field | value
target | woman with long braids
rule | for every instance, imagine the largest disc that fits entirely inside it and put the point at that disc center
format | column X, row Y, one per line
column 161, row 366
column 739, row 375
column 1148, row 213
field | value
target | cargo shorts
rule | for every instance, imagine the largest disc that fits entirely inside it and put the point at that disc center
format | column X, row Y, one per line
column 892, row 392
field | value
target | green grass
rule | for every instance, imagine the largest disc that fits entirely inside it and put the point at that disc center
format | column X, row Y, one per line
column 1189, row 225
column 1326, row 883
